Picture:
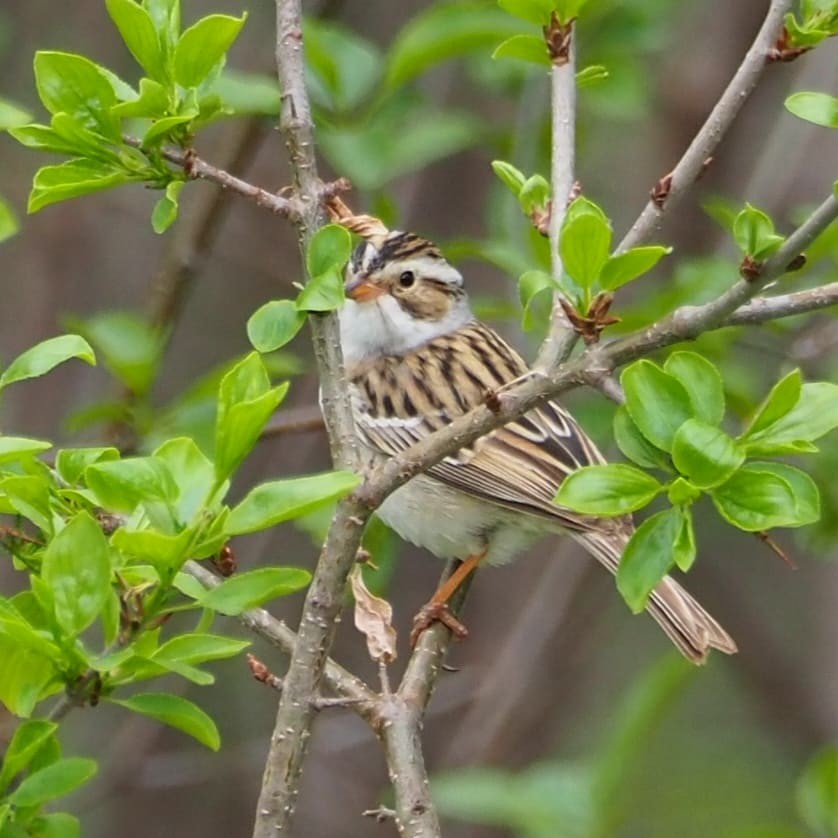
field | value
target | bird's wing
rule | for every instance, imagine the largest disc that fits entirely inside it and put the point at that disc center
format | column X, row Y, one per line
column 401, row 400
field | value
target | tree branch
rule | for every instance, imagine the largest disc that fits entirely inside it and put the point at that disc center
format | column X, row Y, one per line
column 562, row 337
column 324, row 598
column 671, row 188
column 763, row 309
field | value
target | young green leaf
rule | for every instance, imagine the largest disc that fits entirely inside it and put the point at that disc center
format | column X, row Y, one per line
column 12, row 116
column 613, row 489
column 26, row 741
column 29, row 496
column 755, row 499
column 25, row 677
column 625, row 267
column 648, row 557
column 248, row 590
column 681, row 492
column 121, row 485
column 14, row 448
column 634, row 445
column 274, row 324
column 74, row 85
column 814, row 414
column 137, row 30
column 152, row 102
column 281, row 500
column 53, row 184
column 165, row 553
column 177, row 712
column 524, row 48
column 165, row 210
column 584, row 245
column 322, row 293
column 45, row 356
column 71, row 462
column 193, row 473
column 590, row 75
column 754, row 233
column 684, row 548
column 246, row 401
column 532, row 11
column 784, row 395
column 199, row 648
column 77, row 568
column 705, row 454
column 534, row 194
column 568, row 10
column 703, row 384
column 329, row 250
column 820, row 108
column 656, row 401
column 807, row 499
column 54, row 781
column 203, row 45
column 509, row 175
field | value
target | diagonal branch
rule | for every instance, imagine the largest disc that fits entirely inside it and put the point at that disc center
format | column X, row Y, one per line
column 763, row 309
column 671, row 188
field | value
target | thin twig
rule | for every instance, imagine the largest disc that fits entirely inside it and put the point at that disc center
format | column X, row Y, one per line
column 671, row 188
column 562, row 337
column 763, row 309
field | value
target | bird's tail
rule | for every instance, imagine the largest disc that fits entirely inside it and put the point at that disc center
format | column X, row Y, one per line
column 683, row 620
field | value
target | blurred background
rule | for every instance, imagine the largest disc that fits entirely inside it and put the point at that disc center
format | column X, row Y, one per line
column 566, row 716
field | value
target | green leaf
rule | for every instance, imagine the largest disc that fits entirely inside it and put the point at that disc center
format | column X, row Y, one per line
column 27, row 740
column 77, row 568
column 75, row 85
column 524, row 48
column 274, row 324
column 634, row 445
column 568, row 10
column 177, row 712
column 137, row 30
column 625, row 267
column 703, row 384
column 121, row 485
column 820, row 108
column 193, row 473
column 322, row 293
column 648, row 557
column 248, row 93
column 444, row 31
column 161, row 129
column 754, row 233
column 54, row 781
column 12, row 116
column 584, row 245
column 281, row 500
column 45, row 356
column 784, row 395
column 53, row 184
column 684, row 548
column 165, row 553
column 815, row 414
column 329, row 250
column 807, row 500
column 532, row 11
column 657, row 402
column 29, row 495
column 195, row 649
column 590, row 75
column 71, row 462
column 681, row 492
column 249, row 590
column 203, row 45
column 532, row 288
column 816, row 793
column 705, row 454
column 245, row 403
column 509, row 175
column 534, row 194
column 14, row 448
column 756, row 499
column 130, row 347
column 613, row 489
column 42, row 138
column 166, row 17
column 165, row 210
column 56, row 825
column 24, row 677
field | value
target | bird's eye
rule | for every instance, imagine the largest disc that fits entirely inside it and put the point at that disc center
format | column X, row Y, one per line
column 407, row 279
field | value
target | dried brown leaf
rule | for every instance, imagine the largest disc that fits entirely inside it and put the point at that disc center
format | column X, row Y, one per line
column 373, row 618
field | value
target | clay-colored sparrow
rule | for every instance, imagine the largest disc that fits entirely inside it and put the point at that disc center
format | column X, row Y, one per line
column 417, row 359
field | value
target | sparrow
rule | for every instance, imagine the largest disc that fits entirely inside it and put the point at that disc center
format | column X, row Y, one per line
column 416, row 359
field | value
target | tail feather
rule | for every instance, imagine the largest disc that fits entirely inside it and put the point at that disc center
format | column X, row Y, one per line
column 684, row 621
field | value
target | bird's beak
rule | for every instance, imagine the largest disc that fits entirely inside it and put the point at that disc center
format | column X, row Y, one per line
column 362, row 290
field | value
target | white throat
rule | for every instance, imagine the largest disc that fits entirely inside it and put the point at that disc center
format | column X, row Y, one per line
column 383, row 327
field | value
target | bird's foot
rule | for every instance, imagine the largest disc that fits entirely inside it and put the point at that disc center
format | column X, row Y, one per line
column 436, row 612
